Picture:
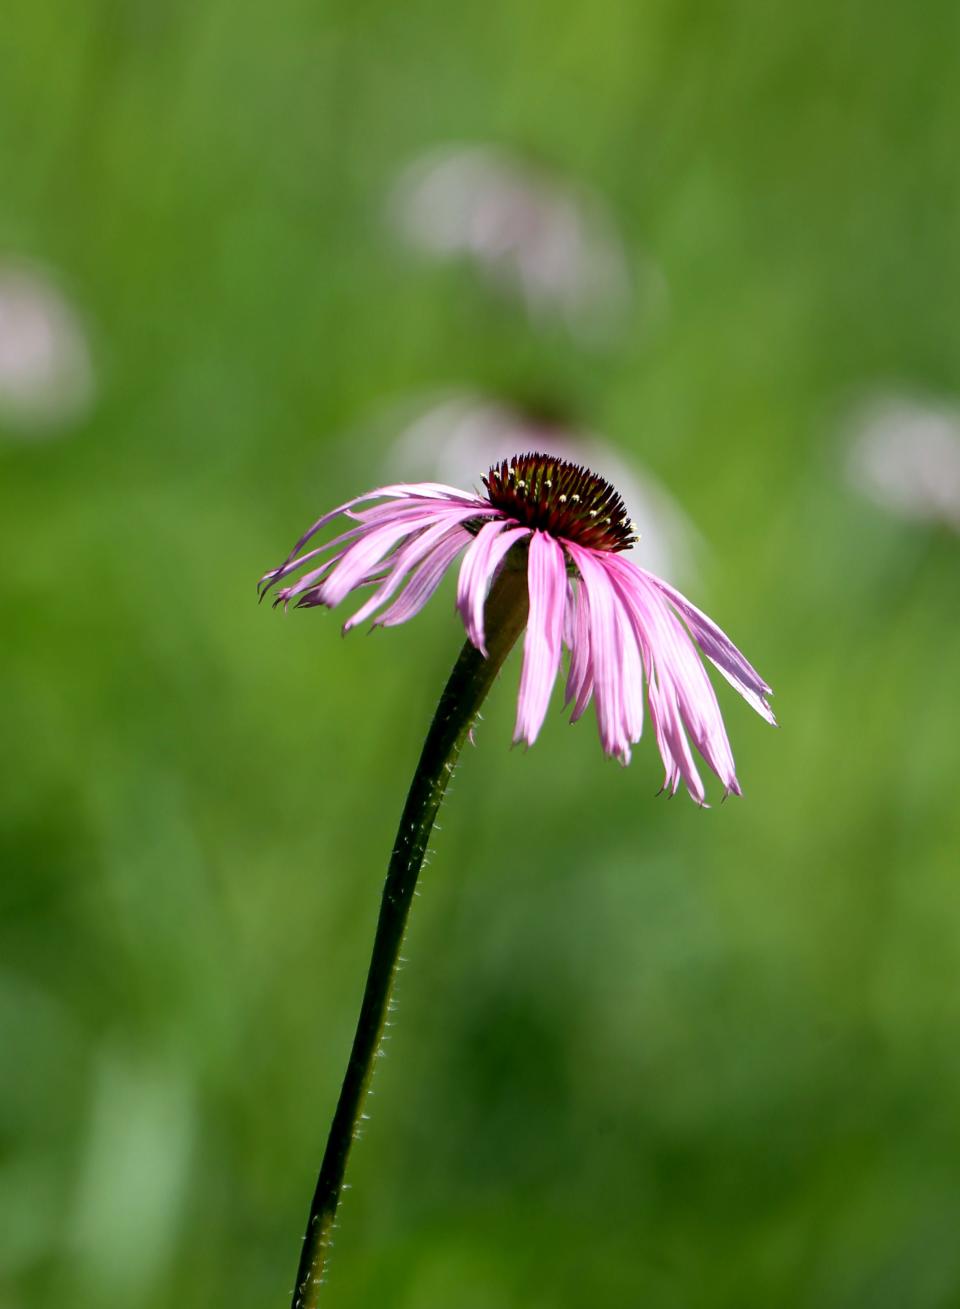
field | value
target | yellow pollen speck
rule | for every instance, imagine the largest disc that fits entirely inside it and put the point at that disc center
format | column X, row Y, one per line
column 563, row 499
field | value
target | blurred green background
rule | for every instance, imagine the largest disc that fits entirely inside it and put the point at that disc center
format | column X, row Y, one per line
column 646, row 1055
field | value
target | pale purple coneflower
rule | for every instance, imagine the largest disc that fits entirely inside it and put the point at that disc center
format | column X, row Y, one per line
column 544, row 550
column 904, row 453
column 525, row 228
column 46, row 366
column 568, row 529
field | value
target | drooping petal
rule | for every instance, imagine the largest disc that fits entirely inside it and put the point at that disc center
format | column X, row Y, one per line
column 720, row 650
column 672, row 740
column 569, row 618
column 612, row 652
column 425, row 580
column 410, row 516
column 631, row 679
column 435, row 492
column 308, row 586
column 492, row 542
column 665, row 714
column 394, row 510
column 312, row 579
column 371, row 548
column 681, row 694
column 580, row 677
column 402, row 563
column 546, row 583
column 297, row 561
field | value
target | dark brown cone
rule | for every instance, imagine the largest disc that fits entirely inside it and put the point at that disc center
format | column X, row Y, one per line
column 561, row 498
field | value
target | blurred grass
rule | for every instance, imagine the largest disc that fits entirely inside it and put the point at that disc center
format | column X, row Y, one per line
column 646, row 1054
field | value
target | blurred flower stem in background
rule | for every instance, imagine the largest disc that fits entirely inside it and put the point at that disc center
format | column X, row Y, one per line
column 471, row 679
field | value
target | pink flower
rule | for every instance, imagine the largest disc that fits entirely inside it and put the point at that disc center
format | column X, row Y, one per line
column 46, row 367
column 622, row 625
column 526, row 230
column 905, row 455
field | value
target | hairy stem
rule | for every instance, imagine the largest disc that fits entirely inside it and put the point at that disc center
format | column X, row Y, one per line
column 471, row 679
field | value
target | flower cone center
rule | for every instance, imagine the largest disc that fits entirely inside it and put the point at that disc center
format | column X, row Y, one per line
column 561, row 498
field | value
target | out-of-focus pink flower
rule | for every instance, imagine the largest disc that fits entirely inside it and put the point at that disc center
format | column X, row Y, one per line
column 568, row 529
column 46, row 373
column 905, row 454
column 524, row 228
column 454, row 434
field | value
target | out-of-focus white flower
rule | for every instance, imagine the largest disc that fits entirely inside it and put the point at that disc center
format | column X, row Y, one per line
column 457, row 433
column 905, row 454
column 46, row 371
column 528, row 231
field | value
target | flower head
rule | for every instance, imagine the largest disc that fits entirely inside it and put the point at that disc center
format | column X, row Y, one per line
column 46, row 368
column 905, row 455
column 623, row 627
column 524, row 228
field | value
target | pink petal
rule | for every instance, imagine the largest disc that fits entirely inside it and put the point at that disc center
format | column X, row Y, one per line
column 546, row 584
column 434, row 492
column 631, row 680
column 720, row 650
column 402, row 563
column 476, row 572
column 580, row 677
column 681, row 695
column 604, row 655
column 370, row 549
column 671, row 738
column 390, row 508
column 425, row 580
column 297, row 561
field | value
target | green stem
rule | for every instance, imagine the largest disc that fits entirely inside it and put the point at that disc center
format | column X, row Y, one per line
column 471, row 679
